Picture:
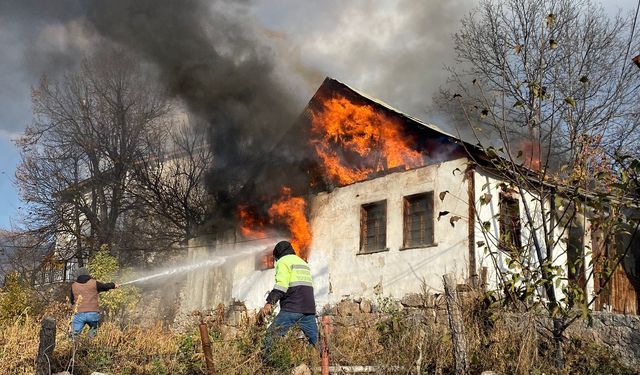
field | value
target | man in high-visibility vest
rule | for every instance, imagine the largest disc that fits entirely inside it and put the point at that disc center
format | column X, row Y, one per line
column 294, row 291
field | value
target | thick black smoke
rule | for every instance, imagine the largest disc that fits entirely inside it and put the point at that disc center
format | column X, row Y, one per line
column 211, row 54
column 208, row 55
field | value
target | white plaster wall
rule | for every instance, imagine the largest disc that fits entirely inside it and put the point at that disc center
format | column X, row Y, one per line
column 485, row 183
column 234, row 278
column 237, row 279
column 489, row 255
column 588, row 260
column 335, row 220
column 251, row 285
column 340, row 272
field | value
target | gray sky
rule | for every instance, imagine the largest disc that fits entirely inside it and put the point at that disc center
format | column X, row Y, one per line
column 393, row 50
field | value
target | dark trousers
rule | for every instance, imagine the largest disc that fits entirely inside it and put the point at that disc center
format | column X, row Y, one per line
column 285, row 320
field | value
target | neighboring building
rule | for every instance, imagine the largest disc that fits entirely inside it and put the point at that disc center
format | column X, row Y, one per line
column 33, row 260
column 136, row 232
column 395, row 232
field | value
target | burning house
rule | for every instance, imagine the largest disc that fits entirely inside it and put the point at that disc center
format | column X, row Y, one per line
column 380, row 203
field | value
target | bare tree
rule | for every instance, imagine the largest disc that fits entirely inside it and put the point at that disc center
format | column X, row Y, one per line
column 55, row 210
column 78, row 157
column 553, row 82
column 554, row 70
column 172, row 181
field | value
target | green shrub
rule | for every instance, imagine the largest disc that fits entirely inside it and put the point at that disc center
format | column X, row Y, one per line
column 280, row 356
column 104, row 267
column 290, row 351
column 100, row 360
column 17, row 298
column 189, row 360
column 585, row 356
column 158, row 367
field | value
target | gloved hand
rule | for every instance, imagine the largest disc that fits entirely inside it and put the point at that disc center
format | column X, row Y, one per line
column 264, row 312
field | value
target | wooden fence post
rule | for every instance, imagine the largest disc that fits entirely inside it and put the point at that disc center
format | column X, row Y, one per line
column 326, row 330
column 47, row 344
column 456, row 325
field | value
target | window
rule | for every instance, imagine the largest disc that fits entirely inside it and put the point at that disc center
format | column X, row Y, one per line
column 265, row 261
column 373, row 227
column 418, row 220
column 510, row 231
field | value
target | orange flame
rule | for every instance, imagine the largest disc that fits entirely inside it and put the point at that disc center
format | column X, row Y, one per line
column 531, row 154
column 354, row 140
column 251, row 225
column 290, row 211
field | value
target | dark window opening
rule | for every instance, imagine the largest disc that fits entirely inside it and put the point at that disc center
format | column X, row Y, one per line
column 510, row 228
column 373, row 227
column 418, row 220
column 265, row 261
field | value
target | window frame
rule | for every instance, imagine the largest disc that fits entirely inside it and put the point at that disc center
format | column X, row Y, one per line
column 364, row 229
column 406, row 226
column 265, row 261
column 516, row 244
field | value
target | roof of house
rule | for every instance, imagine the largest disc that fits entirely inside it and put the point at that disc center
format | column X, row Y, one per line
column 478, row 154
column 392, row 109
column 334, row 84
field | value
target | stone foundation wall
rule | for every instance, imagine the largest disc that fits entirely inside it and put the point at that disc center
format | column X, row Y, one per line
column 619, row 332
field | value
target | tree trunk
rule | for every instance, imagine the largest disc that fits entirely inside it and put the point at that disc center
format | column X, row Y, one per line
column 47, row 344
column 456, row 325
column 558, row 330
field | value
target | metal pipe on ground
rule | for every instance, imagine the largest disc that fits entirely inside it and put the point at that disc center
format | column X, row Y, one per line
column 336, row 369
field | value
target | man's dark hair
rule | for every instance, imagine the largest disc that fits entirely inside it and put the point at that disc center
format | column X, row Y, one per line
column 82, row 271
column 281, row 249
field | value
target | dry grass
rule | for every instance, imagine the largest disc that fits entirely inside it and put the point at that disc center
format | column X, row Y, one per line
column 419, row 342
column 409, row 342
column 134, row 350
column 151, row 349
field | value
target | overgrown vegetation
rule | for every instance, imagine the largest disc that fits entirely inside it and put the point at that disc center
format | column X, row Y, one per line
column 105, row 267
column 395, row 340
column 154, row 349
column 530, row 83
column 17, row 299
column 418, row 341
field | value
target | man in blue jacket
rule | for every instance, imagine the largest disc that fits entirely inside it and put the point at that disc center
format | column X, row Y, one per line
column 294, row 290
